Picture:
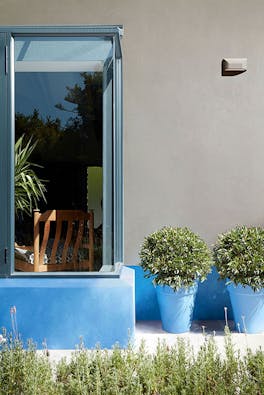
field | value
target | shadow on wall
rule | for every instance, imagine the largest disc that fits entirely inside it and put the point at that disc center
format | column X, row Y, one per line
column 212, row 297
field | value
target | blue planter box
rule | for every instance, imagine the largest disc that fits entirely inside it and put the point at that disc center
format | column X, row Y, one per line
column 211, row 298
column 176, row 307
column 61, row 310
column 248, row 307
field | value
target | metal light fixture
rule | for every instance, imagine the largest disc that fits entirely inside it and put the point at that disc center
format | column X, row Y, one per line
column 233, row 66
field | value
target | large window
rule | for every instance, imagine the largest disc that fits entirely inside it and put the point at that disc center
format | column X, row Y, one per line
column 61, row 208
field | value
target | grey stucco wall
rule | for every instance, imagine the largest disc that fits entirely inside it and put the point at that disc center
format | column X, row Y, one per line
column 193, row 140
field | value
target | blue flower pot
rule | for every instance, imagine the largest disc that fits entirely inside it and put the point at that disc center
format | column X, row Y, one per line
column 248, row 308
column 176, row 308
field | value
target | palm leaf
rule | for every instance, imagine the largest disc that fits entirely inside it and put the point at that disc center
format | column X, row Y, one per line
column 29, row 188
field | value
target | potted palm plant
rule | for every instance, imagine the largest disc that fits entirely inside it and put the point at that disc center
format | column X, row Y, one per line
column 239, row 258
column 177, row 259
column 29, row 188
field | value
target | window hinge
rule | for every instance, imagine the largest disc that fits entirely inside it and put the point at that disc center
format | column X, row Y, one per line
column 121, row 31
column 6, row 59
column 5, row 256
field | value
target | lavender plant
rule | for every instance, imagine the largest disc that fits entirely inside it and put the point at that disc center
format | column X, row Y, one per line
column 168, row 371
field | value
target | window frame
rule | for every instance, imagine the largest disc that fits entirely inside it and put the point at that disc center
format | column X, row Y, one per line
column 7, row 143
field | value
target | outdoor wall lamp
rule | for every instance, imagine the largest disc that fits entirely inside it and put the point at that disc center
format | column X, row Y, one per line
column 233, row 66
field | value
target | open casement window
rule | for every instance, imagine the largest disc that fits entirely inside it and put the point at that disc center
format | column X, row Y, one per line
column 61, row 201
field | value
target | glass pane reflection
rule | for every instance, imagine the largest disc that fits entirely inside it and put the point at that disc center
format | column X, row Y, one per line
column 58, row 124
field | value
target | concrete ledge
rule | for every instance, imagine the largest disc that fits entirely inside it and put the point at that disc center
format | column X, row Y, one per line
column 151, row 333
column 61, row 310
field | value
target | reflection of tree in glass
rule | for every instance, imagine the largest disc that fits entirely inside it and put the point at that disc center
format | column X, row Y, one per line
column 88, row 109
column 64, row 151
column 80, row 140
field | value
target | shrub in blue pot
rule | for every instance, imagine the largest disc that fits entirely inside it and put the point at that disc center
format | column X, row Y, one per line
column 177, row 259
column 239, row 258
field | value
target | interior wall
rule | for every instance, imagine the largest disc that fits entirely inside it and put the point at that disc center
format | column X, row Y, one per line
column 193, row 139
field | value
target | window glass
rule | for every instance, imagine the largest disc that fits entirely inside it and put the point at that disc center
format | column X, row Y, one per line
column 59, row 156
column 66, row 49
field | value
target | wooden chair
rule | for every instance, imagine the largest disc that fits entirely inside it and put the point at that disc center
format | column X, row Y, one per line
column 69, row 239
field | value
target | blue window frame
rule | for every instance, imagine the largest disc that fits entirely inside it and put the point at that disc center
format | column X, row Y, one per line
column 25, row 52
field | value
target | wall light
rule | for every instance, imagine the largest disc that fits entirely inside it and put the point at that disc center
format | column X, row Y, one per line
column 233, row 66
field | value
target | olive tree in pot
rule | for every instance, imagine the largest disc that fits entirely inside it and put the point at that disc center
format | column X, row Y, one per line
column 177, row 259
column 239, row 258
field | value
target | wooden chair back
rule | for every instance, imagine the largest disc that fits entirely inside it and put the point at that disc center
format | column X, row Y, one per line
column 73, row 223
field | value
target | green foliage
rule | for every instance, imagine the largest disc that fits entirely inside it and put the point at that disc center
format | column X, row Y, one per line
column 168, row 371
column 87, row 99
column 80, row 140
column 239, row 256
column 175, row 257
column 47, row 132
column 29, row 189
column 23, row 371
column 253, row 364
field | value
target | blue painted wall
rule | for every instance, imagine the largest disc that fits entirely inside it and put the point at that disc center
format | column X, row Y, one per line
column 100, row 310
column 60, row 310
column 211, row 298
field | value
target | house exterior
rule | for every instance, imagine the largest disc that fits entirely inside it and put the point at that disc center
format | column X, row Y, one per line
column 188, row 152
